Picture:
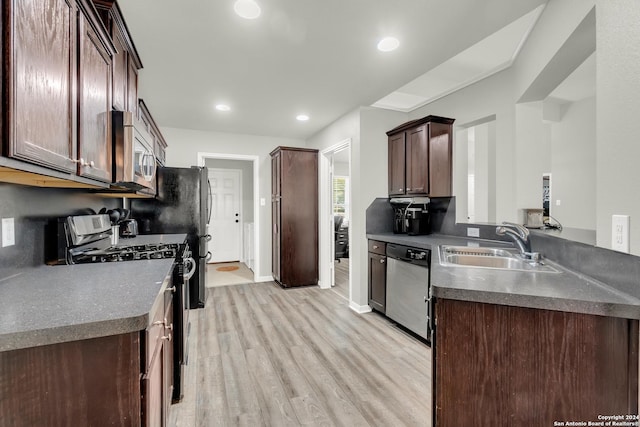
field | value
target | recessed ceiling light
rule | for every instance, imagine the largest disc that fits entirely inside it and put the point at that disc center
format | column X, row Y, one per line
column 302, row 117
column 388, row 44
column 223, row 107
column 247, row 9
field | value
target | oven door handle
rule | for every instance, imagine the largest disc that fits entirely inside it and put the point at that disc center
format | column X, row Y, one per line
column 189, row 263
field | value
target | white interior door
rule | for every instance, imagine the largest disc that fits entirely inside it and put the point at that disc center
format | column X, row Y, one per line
column 226, row 218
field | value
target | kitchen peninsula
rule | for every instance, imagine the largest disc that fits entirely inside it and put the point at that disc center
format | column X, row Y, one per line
column 517, row 345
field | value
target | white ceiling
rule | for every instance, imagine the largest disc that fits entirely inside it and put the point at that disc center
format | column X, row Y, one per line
column 492, row 54
column 299, row 56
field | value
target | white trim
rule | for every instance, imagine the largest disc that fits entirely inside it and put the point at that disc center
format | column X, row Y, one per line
column 241, row 210
column 360, row 309
column 202, row 156
column 260, row 279
column 326, row 216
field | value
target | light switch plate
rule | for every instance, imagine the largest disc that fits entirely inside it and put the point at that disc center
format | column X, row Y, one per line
column 620, row 233
column 8, row 232
column 262, row 201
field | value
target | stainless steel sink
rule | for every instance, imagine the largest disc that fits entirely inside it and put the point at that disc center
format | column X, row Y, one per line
column 494, row 258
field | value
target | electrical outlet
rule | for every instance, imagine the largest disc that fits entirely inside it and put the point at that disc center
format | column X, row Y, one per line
column 473, row 232
column 620, row 233
column 558, row 202
column 8, row 232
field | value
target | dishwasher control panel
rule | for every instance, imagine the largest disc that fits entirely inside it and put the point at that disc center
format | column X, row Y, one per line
column 415, row 254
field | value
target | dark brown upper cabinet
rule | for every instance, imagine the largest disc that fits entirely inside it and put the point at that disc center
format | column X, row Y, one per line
column 94, row 93
column 420, row 156
column 40, row 82
column 159, row 143
column 126, row 61
column 57, row 86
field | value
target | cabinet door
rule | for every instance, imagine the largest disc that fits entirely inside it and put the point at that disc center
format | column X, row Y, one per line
column 41, row 63
column 95, row 105
column 152, row 386
column 377, row 281
column 275, row 214
column 168, row 353
column 132, row 88
column 440, row 160
column 396, row 164
column 120, row 73
column 417, row 161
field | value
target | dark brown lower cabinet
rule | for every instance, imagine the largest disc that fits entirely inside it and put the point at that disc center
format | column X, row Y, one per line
column 120, row 380
column 93, row 382
column 377, row 275
column 511, row 366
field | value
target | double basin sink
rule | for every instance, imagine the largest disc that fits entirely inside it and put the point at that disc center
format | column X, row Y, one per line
column 493, row 258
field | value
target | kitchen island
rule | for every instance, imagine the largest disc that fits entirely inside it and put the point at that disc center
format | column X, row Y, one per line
column 523, row 348
column 83, row 343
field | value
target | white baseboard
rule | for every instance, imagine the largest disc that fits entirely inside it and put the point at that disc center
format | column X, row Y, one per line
column 360, row 309
column 322, row 285
column 260, row 279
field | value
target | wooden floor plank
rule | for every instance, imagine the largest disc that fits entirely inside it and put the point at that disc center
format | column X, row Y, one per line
column 275, row 405
column 263, row 355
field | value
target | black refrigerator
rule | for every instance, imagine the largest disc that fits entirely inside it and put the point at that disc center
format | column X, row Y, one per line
column 182, row 205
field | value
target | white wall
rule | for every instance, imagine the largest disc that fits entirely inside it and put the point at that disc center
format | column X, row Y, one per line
column 366, row 128
column 533, row 151
column 522, row 139
column 618, row 116
column 573, row 162
column 491, row 96
column 184, row 145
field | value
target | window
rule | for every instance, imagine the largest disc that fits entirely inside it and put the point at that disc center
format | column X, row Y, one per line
column 341, row 196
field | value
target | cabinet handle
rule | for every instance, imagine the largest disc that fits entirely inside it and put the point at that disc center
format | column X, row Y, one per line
column 158, row 322
column 400, row 189
column 382, row 261
column 408, row 189
column 166, row 337
column 171, row 289
column 169, row 326
column 375, row 246
column 83, row 162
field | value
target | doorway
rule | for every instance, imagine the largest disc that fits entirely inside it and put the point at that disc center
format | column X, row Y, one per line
column 226, row 215
column 335, row 217
column 235, row 221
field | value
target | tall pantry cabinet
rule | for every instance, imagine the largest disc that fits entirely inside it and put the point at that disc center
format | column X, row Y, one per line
column 294, row 213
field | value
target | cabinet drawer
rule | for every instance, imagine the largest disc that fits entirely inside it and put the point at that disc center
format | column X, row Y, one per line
column 377, row 247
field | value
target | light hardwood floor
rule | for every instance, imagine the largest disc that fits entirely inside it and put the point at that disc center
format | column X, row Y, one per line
column 341, row 277
column 263, row 356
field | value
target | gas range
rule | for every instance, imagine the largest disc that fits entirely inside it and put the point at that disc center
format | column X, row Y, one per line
column 124, row 253
column 87, row 239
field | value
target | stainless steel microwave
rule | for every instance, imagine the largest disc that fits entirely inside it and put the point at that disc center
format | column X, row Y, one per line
column 134, row 162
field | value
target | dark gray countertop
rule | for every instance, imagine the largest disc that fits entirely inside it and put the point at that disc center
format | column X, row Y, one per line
column 564, row 291
column 52, row 304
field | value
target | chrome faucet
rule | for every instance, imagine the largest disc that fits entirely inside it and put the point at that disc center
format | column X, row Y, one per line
column 520, row 236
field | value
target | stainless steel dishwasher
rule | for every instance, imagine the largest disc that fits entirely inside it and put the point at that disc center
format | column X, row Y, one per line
column 408, row 293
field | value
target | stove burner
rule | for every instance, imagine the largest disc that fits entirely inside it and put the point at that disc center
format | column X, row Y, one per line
column 126, row 253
